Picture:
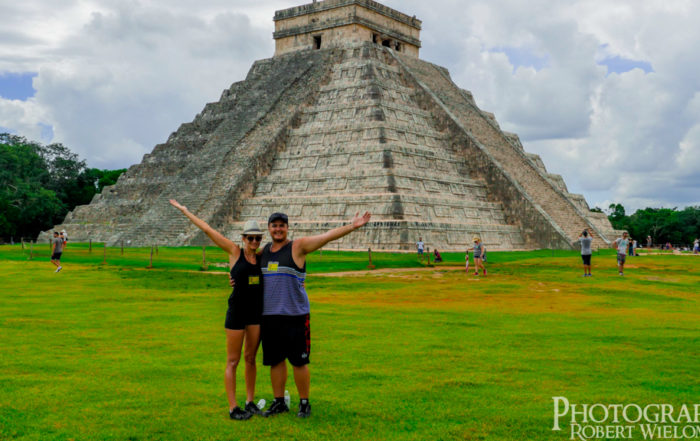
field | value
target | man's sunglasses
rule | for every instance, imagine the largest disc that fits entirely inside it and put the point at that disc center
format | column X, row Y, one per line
column 254, row 238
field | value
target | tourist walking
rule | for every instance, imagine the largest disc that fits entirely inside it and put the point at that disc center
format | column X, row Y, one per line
column 585, row 241
column 479, row 251
column 56, row 251
column 621, row 243
column 420, row 246
column 286, row 333
column 244, row 309
column 696, row 246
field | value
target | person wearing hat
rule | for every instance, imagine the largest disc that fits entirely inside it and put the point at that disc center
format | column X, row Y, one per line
column 479, row 251
column 245, row 306
column 285, row 322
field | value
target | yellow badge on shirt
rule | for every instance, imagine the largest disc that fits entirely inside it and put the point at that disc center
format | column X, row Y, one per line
column 253, row 280
column 272, row 266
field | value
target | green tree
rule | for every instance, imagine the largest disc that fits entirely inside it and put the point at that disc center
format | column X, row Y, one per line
column 666, row 225
column 26, row 206
column 617, row 217
column 40, row 184
column 108, row 177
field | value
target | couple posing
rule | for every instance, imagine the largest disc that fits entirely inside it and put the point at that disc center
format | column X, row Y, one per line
column 269, row 302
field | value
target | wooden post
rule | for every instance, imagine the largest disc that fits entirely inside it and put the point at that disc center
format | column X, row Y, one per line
column 156, row 249
column 428, row 255
column 31, row 250
column 104, row 254
column 90, row 246
column 369, row 254
column 23, row 244
column 204, row 266
column 122, row 247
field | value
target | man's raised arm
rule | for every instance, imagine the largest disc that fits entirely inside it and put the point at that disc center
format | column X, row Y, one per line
column 306, row 245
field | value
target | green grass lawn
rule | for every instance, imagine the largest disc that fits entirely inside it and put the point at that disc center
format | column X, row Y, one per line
column 121, row 352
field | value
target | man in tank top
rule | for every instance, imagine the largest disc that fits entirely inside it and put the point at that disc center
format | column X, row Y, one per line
column 285, row 321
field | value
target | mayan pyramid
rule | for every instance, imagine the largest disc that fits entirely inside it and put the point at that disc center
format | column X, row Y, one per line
column 344, row 117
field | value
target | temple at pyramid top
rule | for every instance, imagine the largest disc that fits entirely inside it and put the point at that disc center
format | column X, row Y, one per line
column 333, row 23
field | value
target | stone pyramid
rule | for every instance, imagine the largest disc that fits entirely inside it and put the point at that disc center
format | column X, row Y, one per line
column 344, row 118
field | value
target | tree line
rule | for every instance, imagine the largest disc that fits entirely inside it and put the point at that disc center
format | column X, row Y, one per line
column 679, row 227
column 40, row 184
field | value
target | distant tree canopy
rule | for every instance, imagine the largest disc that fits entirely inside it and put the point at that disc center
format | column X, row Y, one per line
column 40, row 184
column 662, row 224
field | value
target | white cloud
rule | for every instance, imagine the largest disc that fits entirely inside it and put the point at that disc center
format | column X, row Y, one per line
column 115, row 78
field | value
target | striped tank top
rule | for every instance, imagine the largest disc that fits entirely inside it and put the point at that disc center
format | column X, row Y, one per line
column 283, row 287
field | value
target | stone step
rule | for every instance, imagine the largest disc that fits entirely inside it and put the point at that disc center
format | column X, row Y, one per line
column 366, row 103
column 362, row 85
column 369, row 130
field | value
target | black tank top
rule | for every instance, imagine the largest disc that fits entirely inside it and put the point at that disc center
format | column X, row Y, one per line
column 248, row 278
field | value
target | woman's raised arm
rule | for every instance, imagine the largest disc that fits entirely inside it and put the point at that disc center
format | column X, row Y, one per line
column 222, row 242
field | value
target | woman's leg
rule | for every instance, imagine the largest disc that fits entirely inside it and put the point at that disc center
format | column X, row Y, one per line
column 234, row 343
column 252, row 342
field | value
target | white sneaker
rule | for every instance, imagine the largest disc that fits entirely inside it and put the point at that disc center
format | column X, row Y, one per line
column 59, row 268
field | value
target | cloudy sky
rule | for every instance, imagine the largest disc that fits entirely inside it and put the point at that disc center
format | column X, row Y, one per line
column 608, row 93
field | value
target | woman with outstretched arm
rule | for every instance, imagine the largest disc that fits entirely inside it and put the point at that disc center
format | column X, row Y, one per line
column 244, row 309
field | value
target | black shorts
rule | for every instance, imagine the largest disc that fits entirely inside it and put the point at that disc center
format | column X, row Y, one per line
column 56, row 256
column 286, row 337
column 586, row 259
column 241, row 314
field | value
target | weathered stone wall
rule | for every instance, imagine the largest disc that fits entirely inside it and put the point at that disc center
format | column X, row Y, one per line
column 366, row 145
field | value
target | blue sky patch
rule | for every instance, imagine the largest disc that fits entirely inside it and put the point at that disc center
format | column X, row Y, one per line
column 46, row 133
column 521, row 57
column 17, row 86
column 618, row 64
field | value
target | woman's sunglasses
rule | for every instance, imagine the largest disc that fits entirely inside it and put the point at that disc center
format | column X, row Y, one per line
column 253, row 238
